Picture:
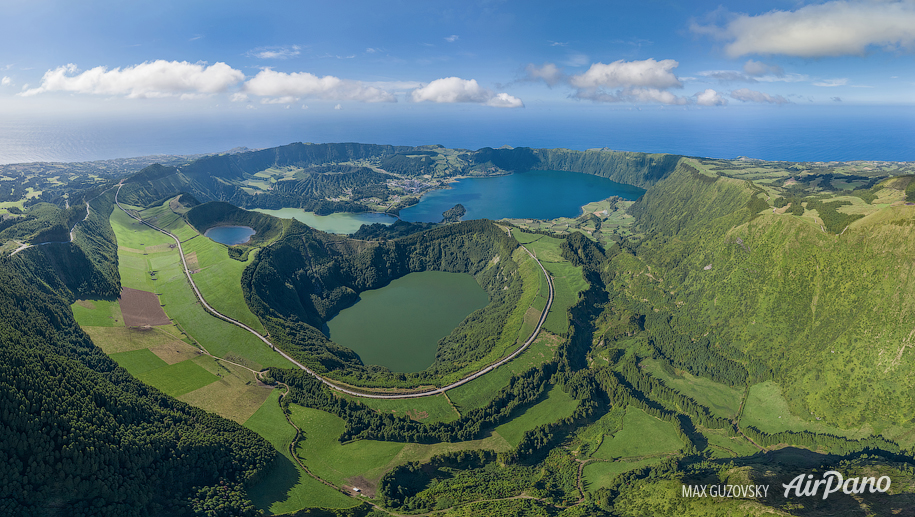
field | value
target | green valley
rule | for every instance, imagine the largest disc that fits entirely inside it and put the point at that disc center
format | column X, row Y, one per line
column 741, row 322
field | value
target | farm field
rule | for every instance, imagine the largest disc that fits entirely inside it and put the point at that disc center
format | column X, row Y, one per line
column 556, row 405
column 722, row 400
column 767, row 410
column 641, row 435
column 724, row 446
column 97, row 313
column 361, row 463
column 598, row 474
column 160, row 271
column 478, row 392
column 424, row 409
column 287, row 488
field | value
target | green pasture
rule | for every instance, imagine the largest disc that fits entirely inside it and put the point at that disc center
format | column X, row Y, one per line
column 478, row 392
column 424, row 409
column 555, row 406
column 138, row 362
column 599, row 474
column 97, row 313
column 722, row 400
column 122, row 339
column 177, row 379
column 723, row 446
column 215, row 335
column 568, row 282
column 767, row 410
column 287, row 488
column 219, row 280
column 361, row 463
column 641, row 435
column 236, row 395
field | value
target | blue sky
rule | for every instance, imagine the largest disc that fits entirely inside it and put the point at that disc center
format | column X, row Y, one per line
column 163, row 57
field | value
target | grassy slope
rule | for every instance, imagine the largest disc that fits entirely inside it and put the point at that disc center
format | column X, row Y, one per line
column 424, row 409
column 556, row 405
column 287, row 488
column 641, row 435
column 216, row 336
column 827, row 312
column 722, row 400
column 363, row 462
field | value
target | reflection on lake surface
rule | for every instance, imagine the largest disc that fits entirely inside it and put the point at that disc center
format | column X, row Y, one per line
column 341, row 222
column 399, row 326
column 530, row 195
column 230, row 235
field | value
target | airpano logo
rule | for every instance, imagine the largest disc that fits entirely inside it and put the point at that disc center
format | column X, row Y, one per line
column 803, row 485
column 833, row 481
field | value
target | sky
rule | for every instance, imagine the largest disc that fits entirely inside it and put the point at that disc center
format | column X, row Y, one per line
column 140, row 57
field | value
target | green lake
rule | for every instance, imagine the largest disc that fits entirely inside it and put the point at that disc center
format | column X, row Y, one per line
column 340, row 222
column 399, row 326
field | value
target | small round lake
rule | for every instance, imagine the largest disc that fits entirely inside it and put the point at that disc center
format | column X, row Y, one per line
column 340, row 222
column 399, row 326
column 230, row 235
column 528, row 195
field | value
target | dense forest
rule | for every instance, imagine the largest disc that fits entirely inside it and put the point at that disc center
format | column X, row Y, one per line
column 79, row 435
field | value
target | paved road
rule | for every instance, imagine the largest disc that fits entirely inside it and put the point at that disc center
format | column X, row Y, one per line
column 321, row 378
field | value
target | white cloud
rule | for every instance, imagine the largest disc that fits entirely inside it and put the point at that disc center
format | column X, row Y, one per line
column 559, row 43
column 452, row 38
column 455, row 89
column 631, row 95
column 6, row 81
column 269, row 83
column 829, row 83
column 832, row 28
column 757, row 68
column 710, row 98
column 288, row 99
column 238, row 97
column 504, row 100
column 548, row 73
column 304, row 107
column 371, row 50
column 727, row 76
column 637, row 81
column 748, row 95
column 150, row 79
column 283, row 52
column 648, row 73
column 338, row 107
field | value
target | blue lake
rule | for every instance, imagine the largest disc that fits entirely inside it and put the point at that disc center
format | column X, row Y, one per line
column 230, row 235
column 531, row 195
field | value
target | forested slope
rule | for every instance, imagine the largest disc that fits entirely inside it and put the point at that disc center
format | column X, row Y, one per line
column 304, row 279
column 721, row 279
column 79, row 435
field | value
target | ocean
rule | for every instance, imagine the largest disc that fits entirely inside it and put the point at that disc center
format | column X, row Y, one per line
column 790, row 133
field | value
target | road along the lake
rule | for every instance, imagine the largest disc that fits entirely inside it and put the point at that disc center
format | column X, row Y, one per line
column 331, row 384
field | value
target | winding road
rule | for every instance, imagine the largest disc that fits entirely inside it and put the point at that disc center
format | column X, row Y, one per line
column 72, row 230
column 425, row 393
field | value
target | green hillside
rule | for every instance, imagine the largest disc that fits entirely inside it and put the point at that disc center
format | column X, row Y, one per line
column 743, row 322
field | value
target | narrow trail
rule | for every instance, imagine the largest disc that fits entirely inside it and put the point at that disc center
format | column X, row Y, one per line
column 325, row 381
